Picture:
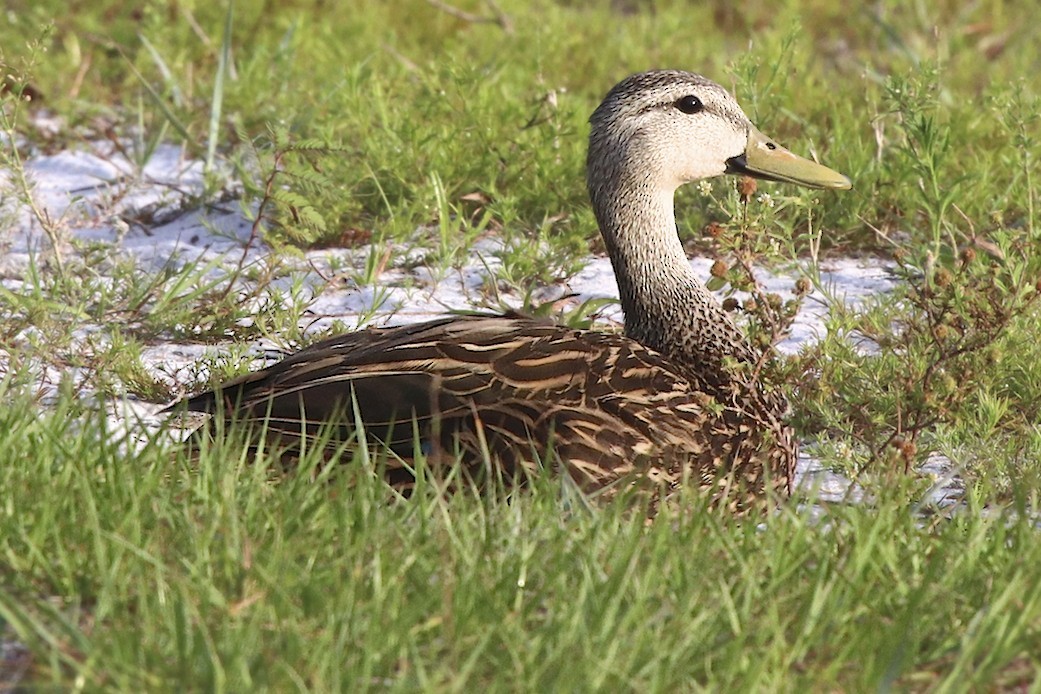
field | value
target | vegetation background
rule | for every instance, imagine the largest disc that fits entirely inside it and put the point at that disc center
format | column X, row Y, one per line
column 418, row 127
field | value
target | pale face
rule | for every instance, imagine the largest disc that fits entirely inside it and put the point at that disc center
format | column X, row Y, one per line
column 695, row 135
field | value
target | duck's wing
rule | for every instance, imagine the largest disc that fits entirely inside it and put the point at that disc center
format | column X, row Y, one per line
column 512, row 390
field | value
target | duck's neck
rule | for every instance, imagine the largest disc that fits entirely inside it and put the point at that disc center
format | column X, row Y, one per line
column 667, row 308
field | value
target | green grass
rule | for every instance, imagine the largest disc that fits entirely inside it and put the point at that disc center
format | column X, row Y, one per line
column 439, row 102
column 402, row 126
column 146, row 571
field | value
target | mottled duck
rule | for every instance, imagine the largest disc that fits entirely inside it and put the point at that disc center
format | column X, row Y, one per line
column 672, row 401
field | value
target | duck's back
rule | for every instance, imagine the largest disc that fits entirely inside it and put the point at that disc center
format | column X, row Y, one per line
column 515, row 393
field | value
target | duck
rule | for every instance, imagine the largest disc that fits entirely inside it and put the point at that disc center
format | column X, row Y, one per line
column 672, row 401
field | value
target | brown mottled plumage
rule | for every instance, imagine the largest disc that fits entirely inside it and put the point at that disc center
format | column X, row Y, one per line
column 675, row 400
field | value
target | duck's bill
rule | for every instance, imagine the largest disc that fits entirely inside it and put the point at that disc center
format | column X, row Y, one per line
column 765, row 159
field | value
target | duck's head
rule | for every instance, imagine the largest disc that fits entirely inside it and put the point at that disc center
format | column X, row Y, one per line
column 675, row 127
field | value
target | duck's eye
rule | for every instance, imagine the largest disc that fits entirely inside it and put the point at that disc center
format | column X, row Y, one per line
column 690, row 104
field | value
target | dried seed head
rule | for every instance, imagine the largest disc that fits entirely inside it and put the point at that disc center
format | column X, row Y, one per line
column 730, row 304
column 906, row 447
column 943, row 277
column 803, row 286
column 746, row 187
column 719, row 269
column 714, row 230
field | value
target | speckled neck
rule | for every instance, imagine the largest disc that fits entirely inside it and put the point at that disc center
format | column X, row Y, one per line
column 666, row 306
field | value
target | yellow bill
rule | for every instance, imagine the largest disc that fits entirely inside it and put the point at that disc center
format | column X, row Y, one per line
column 765, row 159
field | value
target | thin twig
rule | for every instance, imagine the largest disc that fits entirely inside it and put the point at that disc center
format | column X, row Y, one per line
column 498, row 16
column 257, row 225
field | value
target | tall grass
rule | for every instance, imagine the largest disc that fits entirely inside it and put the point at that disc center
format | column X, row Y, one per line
column 146, row 570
